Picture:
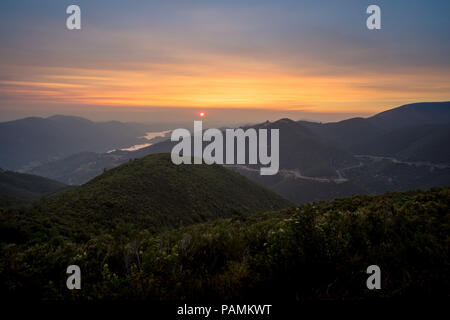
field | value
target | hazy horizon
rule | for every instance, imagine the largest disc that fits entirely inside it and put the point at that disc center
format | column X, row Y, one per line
column 239, row 61
column 160, row 115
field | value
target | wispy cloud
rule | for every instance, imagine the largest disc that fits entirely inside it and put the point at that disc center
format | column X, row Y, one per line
column 285, row 55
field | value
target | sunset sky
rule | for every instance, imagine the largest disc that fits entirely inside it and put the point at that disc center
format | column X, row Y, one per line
column 238, row 60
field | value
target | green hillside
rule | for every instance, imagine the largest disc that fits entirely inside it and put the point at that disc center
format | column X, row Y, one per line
column 151, row 192
column 15, row 187
column 315, row 251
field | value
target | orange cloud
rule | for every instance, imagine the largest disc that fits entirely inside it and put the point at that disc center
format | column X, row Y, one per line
column 222, row 83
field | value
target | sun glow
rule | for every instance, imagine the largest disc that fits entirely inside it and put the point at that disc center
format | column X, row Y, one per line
column 234, row 84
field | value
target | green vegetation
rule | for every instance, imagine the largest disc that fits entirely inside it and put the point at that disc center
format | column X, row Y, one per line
column 17, row 187
column 147, row 194
column 316, row 251
column 151, row 192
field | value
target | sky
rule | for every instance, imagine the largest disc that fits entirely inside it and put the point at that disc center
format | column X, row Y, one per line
column 239, row 61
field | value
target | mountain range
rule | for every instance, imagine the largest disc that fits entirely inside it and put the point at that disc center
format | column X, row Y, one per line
column 400, row 149
column 413, row 132
column 29, row 142
column 149, row 229
column 322, row 161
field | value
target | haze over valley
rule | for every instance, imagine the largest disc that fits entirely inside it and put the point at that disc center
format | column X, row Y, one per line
column 400, row 149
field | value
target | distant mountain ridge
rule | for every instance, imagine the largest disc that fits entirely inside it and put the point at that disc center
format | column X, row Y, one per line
column 31, row 141
column 303, row 150
column 412, row 143
column 323, row 151
column 418, row 131
column 300, row 149
column 421, row 113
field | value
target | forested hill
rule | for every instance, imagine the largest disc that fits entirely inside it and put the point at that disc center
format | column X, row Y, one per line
column 152, row 192
column 315, row 251
column 16, row 187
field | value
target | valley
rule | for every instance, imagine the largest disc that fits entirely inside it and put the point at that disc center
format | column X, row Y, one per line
column 321, row 161
column 138, row 226
column 224, row 159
